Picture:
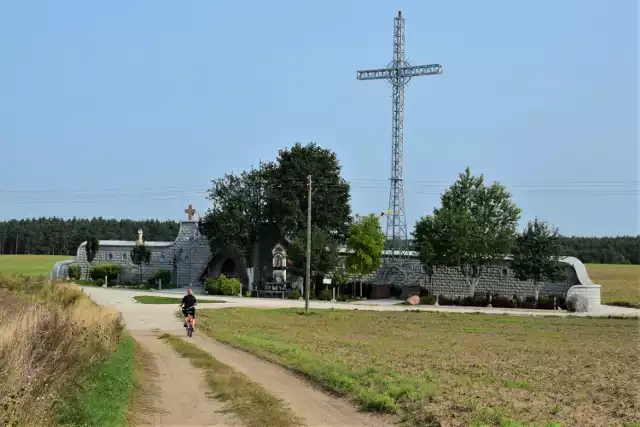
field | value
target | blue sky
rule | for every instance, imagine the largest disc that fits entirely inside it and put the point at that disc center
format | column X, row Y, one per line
column 128, row 109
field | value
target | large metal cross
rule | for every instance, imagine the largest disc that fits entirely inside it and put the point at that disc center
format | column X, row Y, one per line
column 399, row 72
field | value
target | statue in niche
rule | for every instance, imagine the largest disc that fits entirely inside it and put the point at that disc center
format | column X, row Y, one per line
column 279, row 264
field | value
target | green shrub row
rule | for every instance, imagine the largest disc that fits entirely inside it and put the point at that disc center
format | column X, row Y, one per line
column 74, row 271
column 111, row 271
column 164, row 275
column 498, row 301
column 222, row 285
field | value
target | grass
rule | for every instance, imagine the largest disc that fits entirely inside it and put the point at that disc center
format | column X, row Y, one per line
column 29, row 265
column 104, row 391
column 55, row 351
column 246, row 399
column 152, row 299
column 453, row 369
column 620, row 284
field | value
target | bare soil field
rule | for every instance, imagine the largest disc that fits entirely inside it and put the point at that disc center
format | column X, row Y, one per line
column 453, row 369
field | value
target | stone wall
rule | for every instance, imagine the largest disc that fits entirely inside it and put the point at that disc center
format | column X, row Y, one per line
column 195, row 257
column 499, row 280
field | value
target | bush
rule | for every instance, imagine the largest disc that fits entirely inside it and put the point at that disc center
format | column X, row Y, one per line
column 164, row 275
column 326, row 294
column 222, row 285
column 112, row 271
column 428, row 299
column 74, row 272
column 295, row 294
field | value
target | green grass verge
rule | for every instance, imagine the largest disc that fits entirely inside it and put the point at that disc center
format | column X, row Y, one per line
column 152, row 299
column 247, row 400
column 29, row 265
column 103, row 394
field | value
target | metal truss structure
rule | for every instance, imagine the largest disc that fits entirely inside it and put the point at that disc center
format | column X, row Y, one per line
column 398, row 73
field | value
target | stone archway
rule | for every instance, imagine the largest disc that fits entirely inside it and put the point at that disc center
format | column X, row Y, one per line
column 228, row 267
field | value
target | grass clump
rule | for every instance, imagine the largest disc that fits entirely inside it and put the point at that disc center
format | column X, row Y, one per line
column 54, row 343
column 452, row 369
column 246, row 399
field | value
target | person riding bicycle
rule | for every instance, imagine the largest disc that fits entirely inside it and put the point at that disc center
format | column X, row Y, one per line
column 188, row 306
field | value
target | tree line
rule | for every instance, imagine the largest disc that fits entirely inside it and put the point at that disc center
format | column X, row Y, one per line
column 58, row 236
column 252, row 209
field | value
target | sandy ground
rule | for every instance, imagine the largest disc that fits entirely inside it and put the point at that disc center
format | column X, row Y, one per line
column 315, row 407
column 181, row 395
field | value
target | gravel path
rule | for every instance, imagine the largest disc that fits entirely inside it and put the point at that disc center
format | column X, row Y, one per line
column 180, row 395
column 117, row 296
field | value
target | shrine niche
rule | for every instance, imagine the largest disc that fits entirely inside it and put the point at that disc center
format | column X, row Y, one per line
column 279, row 264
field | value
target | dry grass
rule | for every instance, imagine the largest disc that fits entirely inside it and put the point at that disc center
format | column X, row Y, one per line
column 49, row 336
column 249, row 401
column 452, row 369
column 619, row 283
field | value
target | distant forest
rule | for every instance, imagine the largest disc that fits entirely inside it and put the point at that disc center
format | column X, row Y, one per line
column 56, row 236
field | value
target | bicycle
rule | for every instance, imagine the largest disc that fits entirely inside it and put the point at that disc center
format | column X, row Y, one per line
column 189, row 323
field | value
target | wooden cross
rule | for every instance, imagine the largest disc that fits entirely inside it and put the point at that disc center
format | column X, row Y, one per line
column 190, row 212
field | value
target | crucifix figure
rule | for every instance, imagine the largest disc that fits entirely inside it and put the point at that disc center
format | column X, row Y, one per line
column 398, row 73
column 190, row 212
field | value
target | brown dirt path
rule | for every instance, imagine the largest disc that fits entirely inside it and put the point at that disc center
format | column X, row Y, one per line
column 315, row 407
column 179, row 395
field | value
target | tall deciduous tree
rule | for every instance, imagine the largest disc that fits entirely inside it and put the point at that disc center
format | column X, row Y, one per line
column 536, row 254
column 324, row 255
column 288, row 191
column 365, row 242
column 238, row 216
column 140, row 254
column 424, row 237
column 91, row 248
column 472, row 230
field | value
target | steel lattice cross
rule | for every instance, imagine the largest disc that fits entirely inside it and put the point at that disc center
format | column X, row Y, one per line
column 399, row 72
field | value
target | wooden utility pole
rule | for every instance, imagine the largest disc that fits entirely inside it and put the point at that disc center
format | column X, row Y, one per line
column 308, row 263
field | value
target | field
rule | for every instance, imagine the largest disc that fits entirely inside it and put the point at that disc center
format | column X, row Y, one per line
column 620, row 283
column 453, row 369
column 30, row 265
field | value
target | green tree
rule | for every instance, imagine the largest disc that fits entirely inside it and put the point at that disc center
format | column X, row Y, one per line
column 237, row 217
column 365, row 243
column 288, row 191
column 472, row 230
column 536, row 254
column 324, row 256
column 176, row 259
column 424, row 237
column 140, row 254
column 91, row 248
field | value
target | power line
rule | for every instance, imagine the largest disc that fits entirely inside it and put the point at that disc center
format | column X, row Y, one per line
column 352, row 182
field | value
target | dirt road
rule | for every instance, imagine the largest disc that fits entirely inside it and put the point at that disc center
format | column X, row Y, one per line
column 182, row 397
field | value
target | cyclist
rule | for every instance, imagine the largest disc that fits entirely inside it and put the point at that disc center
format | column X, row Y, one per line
column 188, row 306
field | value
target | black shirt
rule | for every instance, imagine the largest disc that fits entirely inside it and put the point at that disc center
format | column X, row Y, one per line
column 188, row 301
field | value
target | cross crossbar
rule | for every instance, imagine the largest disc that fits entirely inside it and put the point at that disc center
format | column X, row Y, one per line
column 402, row 72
